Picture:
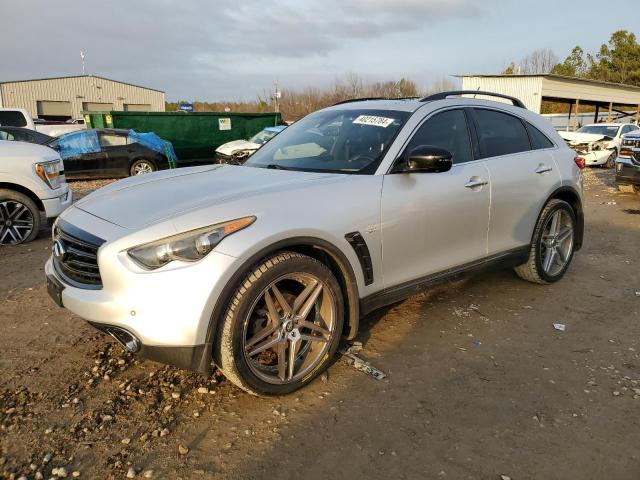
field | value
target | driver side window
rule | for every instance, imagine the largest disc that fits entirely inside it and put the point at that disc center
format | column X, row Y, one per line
column 446, row 130
column 5, row 135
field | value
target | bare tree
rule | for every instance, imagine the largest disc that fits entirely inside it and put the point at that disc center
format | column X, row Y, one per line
column 540, row 61
column 296, row 103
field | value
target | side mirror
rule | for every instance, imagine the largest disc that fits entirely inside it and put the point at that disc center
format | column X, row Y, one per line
column 428, row 159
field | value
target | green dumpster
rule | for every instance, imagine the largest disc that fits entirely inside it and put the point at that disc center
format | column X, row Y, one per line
column 194, row 136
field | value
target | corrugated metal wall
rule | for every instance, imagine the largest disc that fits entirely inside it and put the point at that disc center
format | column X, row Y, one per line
column 77, row 90
column 527, row 89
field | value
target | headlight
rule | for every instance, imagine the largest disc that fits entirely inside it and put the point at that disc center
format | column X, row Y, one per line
column 188, row 247
column 597, row 146
column 49, row 173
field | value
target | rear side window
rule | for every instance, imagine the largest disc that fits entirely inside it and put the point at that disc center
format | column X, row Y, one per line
column 110, row 140
column 446, row 130
column 500, row 134
column 538, row 139
column 12, row 119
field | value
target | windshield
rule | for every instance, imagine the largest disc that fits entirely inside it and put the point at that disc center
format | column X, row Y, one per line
column 262, row 137
column 344, row 141
column 608, row 130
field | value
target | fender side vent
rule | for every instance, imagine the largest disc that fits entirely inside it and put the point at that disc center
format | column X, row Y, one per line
column 362, row 251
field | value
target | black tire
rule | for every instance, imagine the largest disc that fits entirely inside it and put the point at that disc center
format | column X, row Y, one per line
column 9, row 234
column 138, row 166
column 533, row 270
column 228, row 352
column 611, row 160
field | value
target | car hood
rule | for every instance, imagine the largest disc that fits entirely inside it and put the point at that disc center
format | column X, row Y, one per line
column 230, row 147
column 633, row 135
column 576, row 137
column 147, row 199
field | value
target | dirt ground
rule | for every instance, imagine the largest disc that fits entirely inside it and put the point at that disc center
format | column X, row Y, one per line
column 479, row 383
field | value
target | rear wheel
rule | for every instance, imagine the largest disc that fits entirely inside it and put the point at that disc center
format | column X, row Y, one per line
column 140, row 167
column 552, row 246
column 282, row 326
column 19, row 218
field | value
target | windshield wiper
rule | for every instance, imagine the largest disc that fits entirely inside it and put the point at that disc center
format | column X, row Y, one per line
column 275, row 166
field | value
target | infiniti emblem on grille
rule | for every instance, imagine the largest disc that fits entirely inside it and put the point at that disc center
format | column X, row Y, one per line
column 59, row 248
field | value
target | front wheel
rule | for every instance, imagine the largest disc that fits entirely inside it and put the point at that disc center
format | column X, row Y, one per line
column 19, row 218
column 282, row 326
column 140, row 167
column 611, row 160
column 552, row 244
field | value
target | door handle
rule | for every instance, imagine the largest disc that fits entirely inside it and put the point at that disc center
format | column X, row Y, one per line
column 476, row 182
column 542, row 168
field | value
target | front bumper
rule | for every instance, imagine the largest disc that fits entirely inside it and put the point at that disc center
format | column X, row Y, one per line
column 168, row 311
column 56, row 205
column 627, row 172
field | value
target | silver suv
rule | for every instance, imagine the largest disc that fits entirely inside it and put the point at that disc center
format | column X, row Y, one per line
column 261, row 269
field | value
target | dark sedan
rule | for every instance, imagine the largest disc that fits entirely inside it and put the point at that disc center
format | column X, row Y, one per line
column 19, row 134
column 107, row 153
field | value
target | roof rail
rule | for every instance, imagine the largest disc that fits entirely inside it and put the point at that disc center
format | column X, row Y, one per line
column 373, row 98
column 442, row 95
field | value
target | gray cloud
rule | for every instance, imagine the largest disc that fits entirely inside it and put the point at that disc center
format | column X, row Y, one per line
column 206, row 49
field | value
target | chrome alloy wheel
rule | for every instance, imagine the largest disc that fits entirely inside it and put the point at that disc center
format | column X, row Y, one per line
column 557, row 242
column 16, row 222
column 142, row 168
column 289, row 328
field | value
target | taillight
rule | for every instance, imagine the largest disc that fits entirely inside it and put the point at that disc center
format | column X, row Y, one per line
column 580, row 162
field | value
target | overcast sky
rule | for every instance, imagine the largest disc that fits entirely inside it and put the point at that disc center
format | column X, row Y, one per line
column 221, row 50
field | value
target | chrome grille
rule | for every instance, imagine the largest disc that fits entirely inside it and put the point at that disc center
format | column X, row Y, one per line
column 76, row 259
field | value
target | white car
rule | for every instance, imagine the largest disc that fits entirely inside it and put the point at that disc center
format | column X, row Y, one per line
column 32, row 182
column 19, row 117
column 598, row 143
column 262, row 268
column 237, row 151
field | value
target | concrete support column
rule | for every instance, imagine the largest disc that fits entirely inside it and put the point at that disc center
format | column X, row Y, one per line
column 575, row 117
column 609, row 117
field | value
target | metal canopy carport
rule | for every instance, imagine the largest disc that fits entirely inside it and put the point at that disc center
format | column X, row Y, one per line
column 533, row 89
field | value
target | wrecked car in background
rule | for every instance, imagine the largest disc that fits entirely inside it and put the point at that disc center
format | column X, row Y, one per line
column 237, row 151
column 113, row 152
column 598, row 143
column 628, row 163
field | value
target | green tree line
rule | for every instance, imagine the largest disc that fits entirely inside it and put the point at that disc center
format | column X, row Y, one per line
column 296, row 103
column 617, row 61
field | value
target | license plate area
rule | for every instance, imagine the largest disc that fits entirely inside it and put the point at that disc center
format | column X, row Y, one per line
column 55, row 288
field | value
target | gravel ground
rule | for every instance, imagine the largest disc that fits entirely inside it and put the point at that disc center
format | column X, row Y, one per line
column 85, row 187
column 479, row 383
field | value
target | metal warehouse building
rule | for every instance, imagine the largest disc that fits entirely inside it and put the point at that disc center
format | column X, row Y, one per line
column 63, row 98
column 533, row 89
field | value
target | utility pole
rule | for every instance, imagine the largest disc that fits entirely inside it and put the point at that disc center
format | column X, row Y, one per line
column 82, row 58
column 276, row 98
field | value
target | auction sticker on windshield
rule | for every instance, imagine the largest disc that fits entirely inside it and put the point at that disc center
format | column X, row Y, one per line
column 374, row 120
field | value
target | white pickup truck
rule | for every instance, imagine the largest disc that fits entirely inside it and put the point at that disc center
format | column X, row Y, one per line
column 19, row 117
column 32, row 183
